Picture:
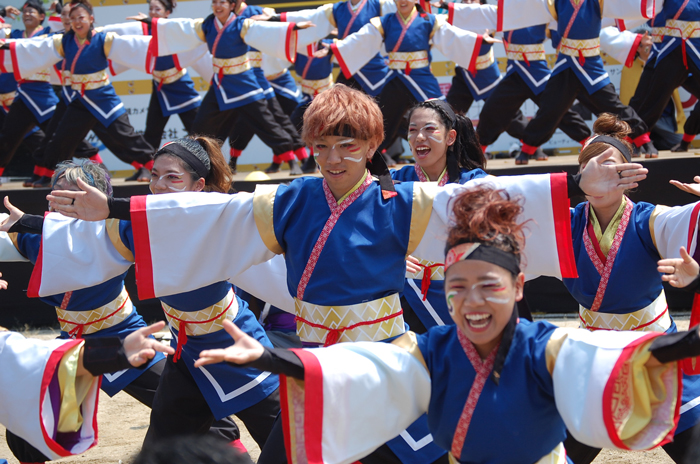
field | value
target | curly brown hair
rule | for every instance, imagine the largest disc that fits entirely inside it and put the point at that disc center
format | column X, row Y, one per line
column 610, row 125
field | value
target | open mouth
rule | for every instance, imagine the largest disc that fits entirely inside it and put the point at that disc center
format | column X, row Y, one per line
column 335, row 172
column 478, row 322
column 422, row 151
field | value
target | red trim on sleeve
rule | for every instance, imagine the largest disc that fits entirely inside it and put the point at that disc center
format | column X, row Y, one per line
column 290, row 43
column 562, row 226
column 284, row 404
column 691, row 366
column 450, row 13
column 154, row 37
column 475, row 55
column 499, row 16
column 35, row 279
column 620, row 23
column 144, row 28
column 142, row 248
column 341, row 61
column 283, row 17
column 633, row 51
column 51, row 366
column 610, row 388
column 313, row 406
column 2, row 61
column 176, row 62
column 15, row 66
column 688, row 138
column 111, row 69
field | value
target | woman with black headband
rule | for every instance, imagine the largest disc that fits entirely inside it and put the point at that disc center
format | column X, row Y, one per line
column 489, row 379
column 617, row 244
column 446, row 149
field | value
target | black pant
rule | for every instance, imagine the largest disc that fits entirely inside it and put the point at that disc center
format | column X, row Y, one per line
column 156, row 121
column 297, row 116
column 242, row 130
column 692, row 123
column 18, row 122
column 212, row 121
column 180, row 409
column 119, row 137
column 502, row 110
column 288, row 105
column 394, row 100
column 42, row 158
column 669, row 74
column 558, row 96
column 683, row 449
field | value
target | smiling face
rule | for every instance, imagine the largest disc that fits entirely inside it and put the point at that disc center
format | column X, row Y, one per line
column 81, row 21
column 32, row 18
column 157, row 10
column 65, row 17
column 429, row 140
column 222, row 9
column 342, row 161
column 169, row 176
column 405, row 7
column 481, row 297
column 613, row 198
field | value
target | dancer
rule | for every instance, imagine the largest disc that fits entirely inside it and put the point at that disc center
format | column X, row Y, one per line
column 234, row 90
column 345, row 127
column 488, row 375
column 617, row 243
column 446, row 149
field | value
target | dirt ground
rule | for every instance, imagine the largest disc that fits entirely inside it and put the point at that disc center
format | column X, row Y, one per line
column 123, row 422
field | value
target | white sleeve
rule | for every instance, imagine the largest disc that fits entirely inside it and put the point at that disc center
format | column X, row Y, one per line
column 132, row 51
column 322, row 17
column 622, row 46
column 544, row 198
column 517, row 14
column 272, row 65
column 8, row 250
column 116, row 68
column 473, row 17
column 75, row 254
column 27, row 408
column 606, row 395
column 674, row 227
column 357, row 49
column 375, row 390
column 127, row 28
column 204, row 67
column 275, row 39
column 458, row 45
column 163, row 223
column 190, row 57
column 268, row 281
column 173, row 36
column 631, row 9
column 32, row 56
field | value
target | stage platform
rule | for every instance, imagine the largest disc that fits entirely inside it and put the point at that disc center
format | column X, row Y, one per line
column 544, row 295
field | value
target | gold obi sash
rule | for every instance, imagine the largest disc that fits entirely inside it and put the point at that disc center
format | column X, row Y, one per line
column 683, row 29
column 41, row 76
column 532, row 52
column 484, row 61
column 81, row 323
column 83, row 82
column 408, row 60
column 653, row 318
column 6, row 99
column 235, row 65
column 65, row 78
column 255, row 59
column 657, row 34
column 202, row 322
column 580, row 48
column 369, row 321
column 314, row 87
column 168, row 76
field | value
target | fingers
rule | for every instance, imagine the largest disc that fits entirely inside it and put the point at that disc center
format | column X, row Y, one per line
column 163, row 348
column 3, row 285
column 666, row 270
column 697, row 179
column 210, row 357
column 64, row 197
column 151, row 329
column 685, row 256
column 142, row 357
column 233, row 330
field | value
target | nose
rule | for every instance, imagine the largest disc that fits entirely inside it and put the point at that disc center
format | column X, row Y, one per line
column 473, row 299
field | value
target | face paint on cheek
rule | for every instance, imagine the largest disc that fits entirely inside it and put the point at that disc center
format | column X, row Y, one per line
column 450, row 301
column 435, row 138
column 496, row 300
column 174, row 181
column 499, row 289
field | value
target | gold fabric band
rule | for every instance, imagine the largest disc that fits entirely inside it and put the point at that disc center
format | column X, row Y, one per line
column 204, row 321
column 683, row 29
column 314, row 87
column 255, row 59
column 41, row 76
column 588, row 47
column 89, row 81
column 98, row 319
column 533, row 52
column 339, row 317
column 235, row 65
column 653, row 318
column 657, row 34
column 6, row 99
column 398, row 60
column 484, row 61
column 168, row 76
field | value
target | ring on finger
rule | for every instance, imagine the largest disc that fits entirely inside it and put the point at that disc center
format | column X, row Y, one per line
column 73, row 201
column 619, row 173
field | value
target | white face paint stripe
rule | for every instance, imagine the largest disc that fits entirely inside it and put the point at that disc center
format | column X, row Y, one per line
column 486, row 282
column 170, row 187
column 493, row 299
column 342, row 142
column 354, row 160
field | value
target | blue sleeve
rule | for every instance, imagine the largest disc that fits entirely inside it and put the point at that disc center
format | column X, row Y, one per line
column 28, row 245
column 126, row 234
column 641, row 215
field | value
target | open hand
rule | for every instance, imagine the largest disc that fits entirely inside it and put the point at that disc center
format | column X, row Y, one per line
column 679, row 272
column 689, row 188
column 139, row 17
column 12, row 12
column 90, row 204
column 3, row 283
column 15, row 215
column 412, row 265
column 245, row 349
column 599, row 179
column 303, row 25
column 139, row 347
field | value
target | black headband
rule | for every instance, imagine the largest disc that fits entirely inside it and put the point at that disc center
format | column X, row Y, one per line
column 185, row 154
column 617, row 143
column 483, row 252
column 447, row 108
column 81, row 5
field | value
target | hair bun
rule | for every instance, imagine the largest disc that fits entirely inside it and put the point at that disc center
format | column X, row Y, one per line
column 609, row 124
